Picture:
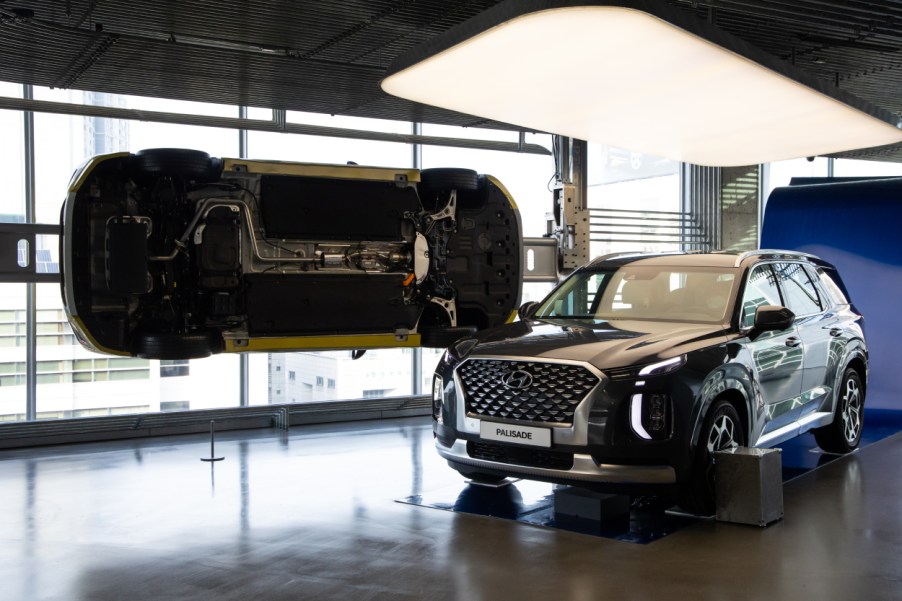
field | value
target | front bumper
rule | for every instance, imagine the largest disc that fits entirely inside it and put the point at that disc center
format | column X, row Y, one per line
column 598, row 438
column 584, row 469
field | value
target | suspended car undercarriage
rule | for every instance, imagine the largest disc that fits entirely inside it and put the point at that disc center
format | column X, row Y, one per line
column 172, row 254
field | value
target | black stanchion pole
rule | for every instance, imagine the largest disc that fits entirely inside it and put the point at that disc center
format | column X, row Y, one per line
column 212, row 456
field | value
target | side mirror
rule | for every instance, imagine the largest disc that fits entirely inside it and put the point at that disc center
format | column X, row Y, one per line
column 527, row 310
column 771, row 318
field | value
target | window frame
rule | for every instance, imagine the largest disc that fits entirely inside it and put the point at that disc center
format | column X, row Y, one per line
column 811, row 280
column 740, row 298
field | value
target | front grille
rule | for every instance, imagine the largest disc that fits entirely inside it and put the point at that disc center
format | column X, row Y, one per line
column 541, row 392
column 520, row 456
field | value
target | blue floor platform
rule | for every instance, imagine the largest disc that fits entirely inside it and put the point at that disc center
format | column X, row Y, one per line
column 651, row 517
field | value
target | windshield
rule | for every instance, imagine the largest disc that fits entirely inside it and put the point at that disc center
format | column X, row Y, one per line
column 663, row 293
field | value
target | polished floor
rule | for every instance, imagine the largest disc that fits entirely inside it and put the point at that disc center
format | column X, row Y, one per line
column 312, row 514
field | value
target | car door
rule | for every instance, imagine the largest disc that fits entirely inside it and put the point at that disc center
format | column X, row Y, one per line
column 777, row 357
column 816, row 328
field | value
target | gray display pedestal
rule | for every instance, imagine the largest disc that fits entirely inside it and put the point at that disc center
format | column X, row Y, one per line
column 748, row 485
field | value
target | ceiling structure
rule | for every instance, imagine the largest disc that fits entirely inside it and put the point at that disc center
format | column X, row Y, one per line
column 329, row 56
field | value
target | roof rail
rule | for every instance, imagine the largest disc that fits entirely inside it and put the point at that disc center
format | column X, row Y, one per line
column 641, row 253
column 609, row 256
column 774, row 253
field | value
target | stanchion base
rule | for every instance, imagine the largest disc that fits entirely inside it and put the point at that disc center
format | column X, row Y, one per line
column 212, row 458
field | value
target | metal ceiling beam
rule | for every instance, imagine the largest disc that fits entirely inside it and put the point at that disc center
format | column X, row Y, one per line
column 276, row 126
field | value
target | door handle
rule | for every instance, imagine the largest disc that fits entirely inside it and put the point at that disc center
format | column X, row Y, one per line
column 793, row 341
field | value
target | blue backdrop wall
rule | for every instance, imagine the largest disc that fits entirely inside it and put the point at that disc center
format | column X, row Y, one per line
column 857, row 226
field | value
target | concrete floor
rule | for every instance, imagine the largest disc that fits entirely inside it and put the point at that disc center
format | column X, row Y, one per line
column 310, row 514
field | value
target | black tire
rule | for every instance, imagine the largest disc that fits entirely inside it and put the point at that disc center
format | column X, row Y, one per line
column 722, row 429
column 436, row 185
column 843, row 434
column 436, row 337
column 193, row 165
column 177, row 346
column 448, row 178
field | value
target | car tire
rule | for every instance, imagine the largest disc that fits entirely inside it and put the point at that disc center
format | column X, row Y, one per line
column 722, row 429
column 193, row 165
column 177, row 346
column 436, row 185
column 446, row 178
column 843, row 434
column 438, row 337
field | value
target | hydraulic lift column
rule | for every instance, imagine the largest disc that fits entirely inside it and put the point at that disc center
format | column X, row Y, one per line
column 569, row 222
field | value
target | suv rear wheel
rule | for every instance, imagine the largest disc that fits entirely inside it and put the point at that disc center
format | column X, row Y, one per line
column 843, row 434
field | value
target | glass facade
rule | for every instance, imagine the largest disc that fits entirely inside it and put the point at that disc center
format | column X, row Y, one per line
column 12, row 153
column 527, row 177
column 855, row 168
column 634, row 199
column 12, row 353
column 72, row 382
column 781, row 173
column 277, row 378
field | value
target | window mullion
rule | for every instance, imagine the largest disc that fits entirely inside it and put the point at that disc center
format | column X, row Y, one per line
column 243, row 360
column 416, row 357
column 30, row 310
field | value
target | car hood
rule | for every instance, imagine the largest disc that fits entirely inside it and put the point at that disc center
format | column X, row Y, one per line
column 604, row 344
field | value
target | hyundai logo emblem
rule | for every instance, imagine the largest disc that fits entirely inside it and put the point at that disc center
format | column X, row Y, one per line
column 517, row 379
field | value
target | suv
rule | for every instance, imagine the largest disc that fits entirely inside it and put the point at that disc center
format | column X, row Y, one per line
column 637, row 368
column 172, row 254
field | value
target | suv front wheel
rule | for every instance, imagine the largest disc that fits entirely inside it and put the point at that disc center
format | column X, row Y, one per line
column 722, row 430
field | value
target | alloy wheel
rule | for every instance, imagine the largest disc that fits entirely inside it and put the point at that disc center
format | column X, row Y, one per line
column 851, row 411
column 722, row 435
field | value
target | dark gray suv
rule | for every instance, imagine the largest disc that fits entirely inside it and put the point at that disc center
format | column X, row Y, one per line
column 636, row 368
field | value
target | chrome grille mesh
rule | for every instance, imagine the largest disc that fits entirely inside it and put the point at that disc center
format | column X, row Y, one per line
column 551, row 395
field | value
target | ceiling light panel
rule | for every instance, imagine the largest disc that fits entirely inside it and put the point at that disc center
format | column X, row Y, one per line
column 625, row 76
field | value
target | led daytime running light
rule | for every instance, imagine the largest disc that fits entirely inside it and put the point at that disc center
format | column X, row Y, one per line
column 636, row 417
column 663, row 367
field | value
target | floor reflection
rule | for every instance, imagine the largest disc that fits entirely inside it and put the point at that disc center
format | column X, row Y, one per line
column 648, row 520
column 650, row 517
column 801, row 454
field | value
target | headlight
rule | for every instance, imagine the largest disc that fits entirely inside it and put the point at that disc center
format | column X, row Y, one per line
column 438, row 397
column 663, row 367
column 459, row 350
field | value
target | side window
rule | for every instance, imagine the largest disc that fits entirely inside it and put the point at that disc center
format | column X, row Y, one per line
column 799, row 291
column 761, row 289
column 827, row 278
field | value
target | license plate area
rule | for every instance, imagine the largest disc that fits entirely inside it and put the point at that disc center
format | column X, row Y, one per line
column 524, row 435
